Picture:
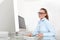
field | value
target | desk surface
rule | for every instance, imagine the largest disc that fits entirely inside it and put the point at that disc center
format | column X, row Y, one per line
column 24, row 38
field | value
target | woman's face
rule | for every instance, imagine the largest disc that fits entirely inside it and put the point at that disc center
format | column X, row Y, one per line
column 42, row 14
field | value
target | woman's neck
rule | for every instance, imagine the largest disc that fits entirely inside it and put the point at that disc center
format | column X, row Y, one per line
column 42, row 18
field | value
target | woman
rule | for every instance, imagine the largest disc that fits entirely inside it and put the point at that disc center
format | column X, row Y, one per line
column 44, row 29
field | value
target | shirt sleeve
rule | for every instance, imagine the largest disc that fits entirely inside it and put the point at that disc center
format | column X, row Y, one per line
column 51, row 31
column 36, row 31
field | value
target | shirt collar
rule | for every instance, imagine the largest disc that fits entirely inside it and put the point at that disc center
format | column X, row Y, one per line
column 43, row 19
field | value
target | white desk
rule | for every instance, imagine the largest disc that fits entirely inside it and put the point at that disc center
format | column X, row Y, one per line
column 20, row 36
column 25, row 38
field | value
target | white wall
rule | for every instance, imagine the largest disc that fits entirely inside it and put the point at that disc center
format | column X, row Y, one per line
column 7, row 16
column 29, row 9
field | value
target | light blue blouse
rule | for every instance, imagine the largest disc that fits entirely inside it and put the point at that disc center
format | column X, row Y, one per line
column 46, row 29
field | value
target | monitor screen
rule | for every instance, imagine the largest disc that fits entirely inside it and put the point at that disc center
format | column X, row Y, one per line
column 21, row 23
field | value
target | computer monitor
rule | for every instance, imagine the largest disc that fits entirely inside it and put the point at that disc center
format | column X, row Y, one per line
column 21, row 23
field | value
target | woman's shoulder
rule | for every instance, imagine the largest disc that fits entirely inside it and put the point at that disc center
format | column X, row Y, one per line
column 47, row 21
column 44, row 20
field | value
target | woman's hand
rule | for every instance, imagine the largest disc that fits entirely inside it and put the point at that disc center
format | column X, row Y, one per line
column 39, row 35
column 30, row 34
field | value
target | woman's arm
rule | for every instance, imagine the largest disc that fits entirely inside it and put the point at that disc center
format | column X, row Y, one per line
column 36, row 31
